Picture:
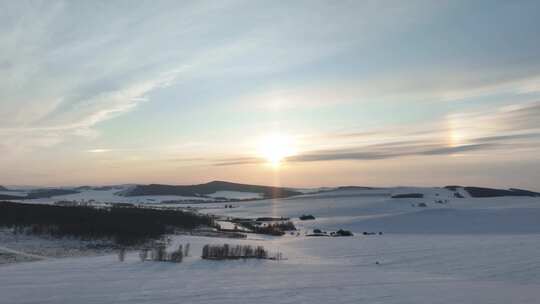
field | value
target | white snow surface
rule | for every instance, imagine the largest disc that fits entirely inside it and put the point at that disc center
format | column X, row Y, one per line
column 468, row 250
column 110, row 196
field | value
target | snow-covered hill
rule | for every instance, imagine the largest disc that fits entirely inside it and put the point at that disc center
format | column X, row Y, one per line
column 437, row 248
column 438, row 211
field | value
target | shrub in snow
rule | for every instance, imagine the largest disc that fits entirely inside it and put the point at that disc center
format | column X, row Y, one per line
column 306, row 217
column 318, row 232
column 342, row 232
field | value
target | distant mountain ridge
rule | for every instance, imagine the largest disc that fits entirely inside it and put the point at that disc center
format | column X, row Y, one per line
column 208, row 188
column 47, row 193
column 492, row 192
column 354, row 188
column 264, row 192
column 96, row 188
column 39, row 193
column 488, row 192
column 9, row 197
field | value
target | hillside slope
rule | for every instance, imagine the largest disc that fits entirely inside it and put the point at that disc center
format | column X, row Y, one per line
column 207, row 189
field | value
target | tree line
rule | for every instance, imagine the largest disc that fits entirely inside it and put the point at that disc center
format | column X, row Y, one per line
column 124, row 225
column 277, row 229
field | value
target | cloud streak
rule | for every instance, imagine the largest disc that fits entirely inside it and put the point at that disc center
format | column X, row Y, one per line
column 507, row 129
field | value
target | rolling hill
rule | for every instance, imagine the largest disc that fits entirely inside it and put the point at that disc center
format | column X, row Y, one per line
column 207, row 189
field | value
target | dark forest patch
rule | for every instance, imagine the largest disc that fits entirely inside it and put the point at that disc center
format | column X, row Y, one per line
column 126, row 225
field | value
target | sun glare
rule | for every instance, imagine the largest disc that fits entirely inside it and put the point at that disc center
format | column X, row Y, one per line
column 456, row 131
column 275, row 148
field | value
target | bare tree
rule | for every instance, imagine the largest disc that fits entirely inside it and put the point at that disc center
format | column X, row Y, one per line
column 178, row 255
column 122, row 254
column 186, row 251
column 159, row 253
column 143, row 255
column 206, row 251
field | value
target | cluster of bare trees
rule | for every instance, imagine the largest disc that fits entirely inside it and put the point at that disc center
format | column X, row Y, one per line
column 159, row 253
column 225, row 251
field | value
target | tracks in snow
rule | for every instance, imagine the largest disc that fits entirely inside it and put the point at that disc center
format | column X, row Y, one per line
column 29, row 255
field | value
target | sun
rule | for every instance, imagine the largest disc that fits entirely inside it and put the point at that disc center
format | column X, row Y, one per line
column 275, row 148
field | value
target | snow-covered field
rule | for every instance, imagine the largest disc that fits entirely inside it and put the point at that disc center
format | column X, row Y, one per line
column 236, row 195
column 374, row 210
column 112, row 196
column 13, row 193
column 24, row 246
column 468, row 250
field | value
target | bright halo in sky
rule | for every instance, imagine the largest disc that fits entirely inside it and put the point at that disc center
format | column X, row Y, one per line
column 275, row 148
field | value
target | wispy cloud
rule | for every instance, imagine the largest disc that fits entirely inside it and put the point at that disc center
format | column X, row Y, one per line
column 60, row 79
column 239, row 161
column 507, row 129
column 427, row 87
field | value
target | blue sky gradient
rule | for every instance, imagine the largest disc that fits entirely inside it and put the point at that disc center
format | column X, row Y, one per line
column 366, row 92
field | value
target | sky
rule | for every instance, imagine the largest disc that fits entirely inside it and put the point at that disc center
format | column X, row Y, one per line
column 295, row 93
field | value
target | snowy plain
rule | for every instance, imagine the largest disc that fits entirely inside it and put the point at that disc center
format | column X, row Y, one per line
column 465, row 250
